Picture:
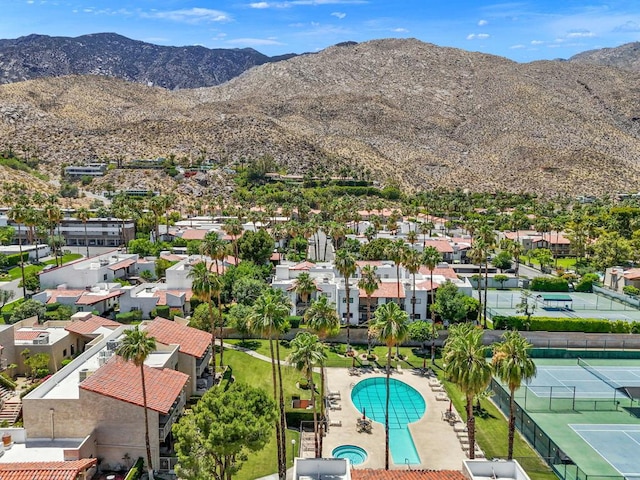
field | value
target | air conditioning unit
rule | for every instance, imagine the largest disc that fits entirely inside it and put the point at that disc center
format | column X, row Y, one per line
column 84, row 373
column 112, row 345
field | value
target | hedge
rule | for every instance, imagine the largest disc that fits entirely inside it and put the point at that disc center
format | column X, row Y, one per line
column 136, row 471
column 295, row 418
column 294, row 321
column 554, row 324
column 160, row 311
column 14, row 259
column 549, row 284
column 129, row 317
column 32, row 387
column 7, row 382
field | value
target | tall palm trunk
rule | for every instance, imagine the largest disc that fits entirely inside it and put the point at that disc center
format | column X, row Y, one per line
column 279, row 432
column 283, row 425
column 512, row 423
column 480, row 295
column 321, row 427
column 146, row 424
column 346, row 282
column 213, row 338
column 221, row 331
column 471, row 427
column 24, row 288
column 486, row 285
column 316, row 440
column 386, row 413
column 433, row 318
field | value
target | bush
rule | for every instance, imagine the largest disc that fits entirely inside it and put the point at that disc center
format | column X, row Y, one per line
column 7, row 382
column 586, row 282
column 14, row 259
column 129, row 317
column 549, row 284
column 160, row 311
column 631, row 290
column 554, row 324
column 31, row 388
column 294, row 321
column 66, row 361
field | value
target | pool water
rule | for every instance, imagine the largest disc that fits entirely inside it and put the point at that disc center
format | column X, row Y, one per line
column 406, row 406
column 355, row 454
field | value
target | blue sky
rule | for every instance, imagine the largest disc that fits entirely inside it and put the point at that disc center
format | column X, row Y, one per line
column 522, row 31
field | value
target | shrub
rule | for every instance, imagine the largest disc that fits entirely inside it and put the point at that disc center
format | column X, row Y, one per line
column 549, row 284
column 129, row 317
column 294, row 321
column 7, row 382
column 136, row 471
column 66, row 361
column 631, row 290
column 554, row 324
column 586, row 282
column 31, row 387
column 14, row 259
column 160, row 311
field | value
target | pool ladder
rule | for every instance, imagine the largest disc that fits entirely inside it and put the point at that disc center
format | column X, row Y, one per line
column 406, row 461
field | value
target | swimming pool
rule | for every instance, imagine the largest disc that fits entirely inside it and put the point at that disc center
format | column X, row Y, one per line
column 355, row 454
column 406, row 405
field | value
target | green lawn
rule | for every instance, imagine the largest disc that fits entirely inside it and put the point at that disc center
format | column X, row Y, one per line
column 16, row 273
column 257, row 373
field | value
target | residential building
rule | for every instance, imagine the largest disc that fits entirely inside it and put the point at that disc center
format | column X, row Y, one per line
column 557, row 242
column 100, row 298
column 89, row 272
column 88, row 170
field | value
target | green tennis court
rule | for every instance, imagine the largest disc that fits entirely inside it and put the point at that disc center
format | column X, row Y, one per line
column 584, row 418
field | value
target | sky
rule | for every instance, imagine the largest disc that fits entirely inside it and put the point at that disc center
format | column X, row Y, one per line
column 522, row 31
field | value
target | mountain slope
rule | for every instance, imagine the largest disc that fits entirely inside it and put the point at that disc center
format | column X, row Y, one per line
column 626, row 57
column 423, row 115
column 113, row 55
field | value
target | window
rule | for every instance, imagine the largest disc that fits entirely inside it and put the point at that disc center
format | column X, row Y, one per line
column 386, row 275
column 104, row 277
column 64, row 352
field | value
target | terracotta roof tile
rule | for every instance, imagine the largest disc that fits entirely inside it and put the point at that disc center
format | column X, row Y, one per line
column 61, row 470
column 123, row 264
column 54, row 294
column 90, row 325
column 28, row 335
column 385, row 290
column 162, row 295
column 368, row 474
column 172, row 257
column 443, row 246
column 121, row 380
column 194, row 234
column 192, row 341
column 303, row 266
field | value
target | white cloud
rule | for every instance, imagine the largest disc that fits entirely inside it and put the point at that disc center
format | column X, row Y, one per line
column 516, row 47
column 536, row 42
column 399, row 30
column 339, row 15
column 259, row 42
column 482, row 23
column 292, row 3
column 191, row 15
column 479, row 36
column 259, row 5
column 628, row 26
column 580, row 34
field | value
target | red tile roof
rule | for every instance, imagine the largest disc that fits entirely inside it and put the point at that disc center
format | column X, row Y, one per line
column 123, row 264
column 374, row 263
column 194, row 234
column 632, row 274
column 192, row 341
column 63, row 293
column 90, row 325
column 426, row 285
column 88, row 298
column 368, row 474
column 27, row 335
column 303, row 266
column 162, row 295
column 172, row 257
column 121, row 380
column 443, row 246
column 61, row 470
column 385, row 290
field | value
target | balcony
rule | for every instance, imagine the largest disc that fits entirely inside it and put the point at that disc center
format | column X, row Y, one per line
column 203, row 362
column 167, row 421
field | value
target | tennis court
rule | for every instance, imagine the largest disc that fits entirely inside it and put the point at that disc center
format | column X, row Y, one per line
column 584, row 416
column 573, row 304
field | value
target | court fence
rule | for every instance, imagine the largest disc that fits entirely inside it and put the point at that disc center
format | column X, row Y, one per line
column 562, row 464
column 558, row 398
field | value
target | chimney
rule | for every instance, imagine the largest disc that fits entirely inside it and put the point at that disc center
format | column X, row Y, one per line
column 82, row 316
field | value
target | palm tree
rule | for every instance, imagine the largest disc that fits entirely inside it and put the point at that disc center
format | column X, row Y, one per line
column 412, row 260
column 477, row 254
column 18, row 215
column 345, row 263
column 203, row 285
column 233, row 228
column 54, row 216
column 466, row 366
column 215, row 248
column 307, row 352
column 84, row 215
column 304, row 286
column 488, row 237
column 395, row 253
column 513, row 365
column 136, row 346
column 369, row 282
column 268, row 317
column 391, row 327
column 430, row 259
column 322, row 319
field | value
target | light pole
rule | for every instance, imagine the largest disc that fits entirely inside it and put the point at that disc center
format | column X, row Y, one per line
column 293, row 448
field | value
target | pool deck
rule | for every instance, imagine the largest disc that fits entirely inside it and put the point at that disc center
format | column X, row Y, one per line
column 435, row 439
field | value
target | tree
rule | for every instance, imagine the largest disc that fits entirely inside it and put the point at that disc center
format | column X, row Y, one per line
column 36, row 363
column 245, row 290
column 205, row 285
column 345, row 264
column 609, row 250
column 136, row 346
column 256, row 246
column 422, row 331
column 28, row 309
column 466, row 366
column 395, row 252
column 233, row 228
column 308, row 352
column 500, row 278
column 304, row 286
column 18, row 215
column 5, row 297
column 527, row 306
column 369, row 282
column 391, row 327
column 214, row 247
column 412, row 260
column 450, row 304
column 543, row 256
column 513, row 365
column 223, row 428
column 239, row 319
column 477, row 253
column 502, row 260
column 269, row 319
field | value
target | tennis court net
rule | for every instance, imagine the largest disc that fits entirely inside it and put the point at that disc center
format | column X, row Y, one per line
column 593, row 371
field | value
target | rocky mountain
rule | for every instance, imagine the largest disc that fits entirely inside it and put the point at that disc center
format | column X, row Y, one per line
column 625, row 56
column 405, row 110
column 113, row 55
